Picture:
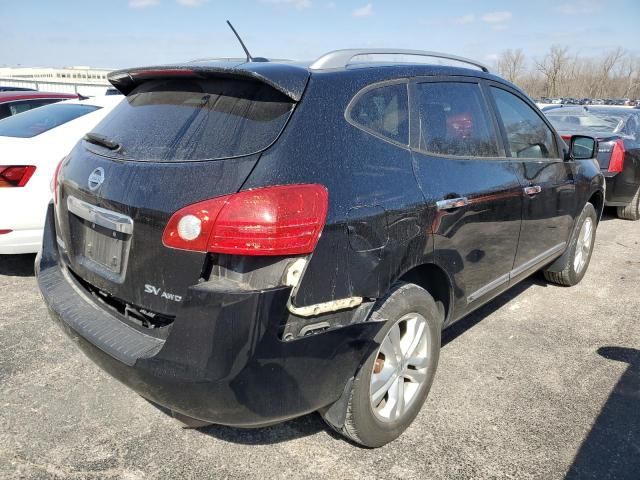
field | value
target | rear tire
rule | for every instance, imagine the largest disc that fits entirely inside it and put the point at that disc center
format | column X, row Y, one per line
column 631, row 211
column 404, row 374
column 580, row 250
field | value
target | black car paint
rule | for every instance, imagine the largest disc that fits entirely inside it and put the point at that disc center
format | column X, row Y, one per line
column 224, row 358
column 620, row 186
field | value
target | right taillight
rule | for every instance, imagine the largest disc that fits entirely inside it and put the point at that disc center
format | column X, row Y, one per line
column 16, row 175
column 278, row 220
column 616, row 164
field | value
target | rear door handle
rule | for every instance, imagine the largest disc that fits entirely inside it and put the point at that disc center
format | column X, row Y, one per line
column 452, row 203
column 532, row 190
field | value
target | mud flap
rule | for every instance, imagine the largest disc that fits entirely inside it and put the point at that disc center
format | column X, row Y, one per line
column 336, row 413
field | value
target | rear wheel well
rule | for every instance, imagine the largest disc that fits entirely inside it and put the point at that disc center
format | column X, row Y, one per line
column 435, row 281
column 597, row 200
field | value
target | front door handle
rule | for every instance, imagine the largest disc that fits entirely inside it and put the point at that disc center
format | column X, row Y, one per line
column 452, row 203
column 532, row 190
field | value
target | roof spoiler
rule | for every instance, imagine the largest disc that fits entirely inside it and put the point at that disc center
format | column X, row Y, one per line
column 289, row 80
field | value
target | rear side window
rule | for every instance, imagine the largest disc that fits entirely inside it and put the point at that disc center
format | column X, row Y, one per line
column 190, row 120
column 39, row 120
column 454, row 120
column 527, row 134
column 383, row 111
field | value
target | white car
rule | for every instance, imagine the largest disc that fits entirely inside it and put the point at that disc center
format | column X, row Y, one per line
column 31, row 146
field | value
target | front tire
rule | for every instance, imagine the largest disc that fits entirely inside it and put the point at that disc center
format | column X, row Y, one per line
column 631, row 211
column 580, row 250
column 393, row 383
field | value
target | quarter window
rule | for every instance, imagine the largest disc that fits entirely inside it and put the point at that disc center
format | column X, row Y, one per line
column 454, row 120
column 384, row 111
column 527, row 134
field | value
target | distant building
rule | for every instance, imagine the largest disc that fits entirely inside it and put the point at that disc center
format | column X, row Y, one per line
column 79, row 79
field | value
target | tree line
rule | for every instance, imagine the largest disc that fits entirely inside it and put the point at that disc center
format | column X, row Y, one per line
column 559, row 73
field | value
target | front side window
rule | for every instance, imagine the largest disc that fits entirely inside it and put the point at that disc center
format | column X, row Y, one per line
column 454, row 120
column 527, row 134
column 383, row 111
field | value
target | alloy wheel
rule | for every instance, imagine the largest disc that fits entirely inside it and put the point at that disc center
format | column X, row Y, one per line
column 400, row 368
column 583, row 246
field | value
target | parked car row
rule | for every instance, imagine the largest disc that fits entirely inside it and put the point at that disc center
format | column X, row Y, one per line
column 246, row 242
column 627, row 102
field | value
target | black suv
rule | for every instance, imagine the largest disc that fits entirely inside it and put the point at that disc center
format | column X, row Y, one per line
column 242, row 243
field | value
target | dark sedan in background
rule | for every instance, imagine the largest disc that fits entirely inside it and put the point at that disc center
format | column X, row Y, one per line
column 618, row 131
column 16, row 89
column 14, row 102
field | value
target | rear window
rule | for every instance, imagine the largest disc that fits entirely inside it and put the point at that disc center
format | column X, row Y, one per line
column 190, row 120
column 383, row 111
column 39, row 120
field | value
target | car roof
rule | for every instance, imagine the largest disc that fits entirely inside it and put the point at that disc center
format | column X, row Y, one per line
column 23, row 95
column 290, row 78
column 100, row 101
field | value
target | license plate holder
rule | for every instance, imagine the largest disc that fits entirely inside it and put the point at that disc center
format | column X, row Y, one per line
column 103, row 248
column 102, row 238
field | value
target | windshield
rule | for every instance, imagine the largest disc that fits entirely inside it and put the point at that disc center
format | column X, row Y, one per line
column 42, row 119
column 187, row 120
column 597, row 120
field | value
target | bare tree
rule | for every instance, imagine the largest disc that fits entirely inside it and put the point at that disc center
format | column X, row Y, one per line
column 607, row 65
column 553, row 67
column 560, row 74
column 628, row 77
column 511, row 64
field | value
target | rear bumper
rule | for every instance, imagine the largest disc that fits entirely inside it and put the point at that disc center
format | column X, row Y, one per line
column 21, row 241
column 23, row 211
column 222, row 360
column 620, row 191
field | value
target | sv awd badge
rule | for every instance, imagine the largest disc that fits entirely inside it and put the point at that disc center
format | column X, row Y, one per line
column 157, row 291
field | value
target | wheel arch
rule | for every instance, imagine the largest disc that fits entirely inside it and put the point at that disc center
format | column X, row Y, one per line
column 435, row 280
column 597, row 200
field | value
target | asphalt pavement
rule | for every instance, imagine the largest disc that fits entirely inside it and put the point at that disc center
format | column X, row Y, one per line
column 543, row 382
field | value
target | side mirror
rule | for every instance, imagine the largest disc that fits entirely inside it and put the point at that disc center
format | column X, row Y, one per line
column 582, row 147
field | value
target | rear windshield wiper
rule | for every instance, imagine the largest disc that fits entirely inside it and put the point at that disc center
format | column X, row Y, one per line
column 103, row 141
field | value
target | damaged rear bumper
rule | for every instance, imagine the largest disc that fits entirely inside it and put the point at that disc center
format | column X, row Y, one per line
column 222, row 359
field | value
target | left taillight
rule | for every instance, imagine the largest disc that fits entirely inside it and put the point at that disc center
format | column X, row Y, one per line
column 277, row 220
column 616, row 164
column 15, row 175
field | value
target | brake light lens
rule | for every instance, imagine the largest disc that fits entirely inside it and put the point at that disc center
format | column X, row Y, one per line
column 16, row 175
column 171, row 72
column 616, row 164
column 279, row 220
column 4, row 232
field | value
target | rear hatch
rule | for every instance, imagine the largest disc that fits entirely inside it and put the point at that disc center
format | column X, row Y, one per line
column 178, row 138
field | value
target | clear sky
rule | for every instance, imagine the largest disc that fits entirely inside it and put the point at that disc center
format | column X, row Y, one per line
column 121, row 33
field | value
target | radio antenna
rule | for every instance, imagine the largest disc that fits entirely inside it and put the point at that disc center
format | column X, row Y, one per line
column 244, row 47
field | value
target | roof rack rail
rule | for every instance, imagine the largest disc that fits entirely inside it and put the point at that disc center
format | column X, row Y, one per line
column 341, row 58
